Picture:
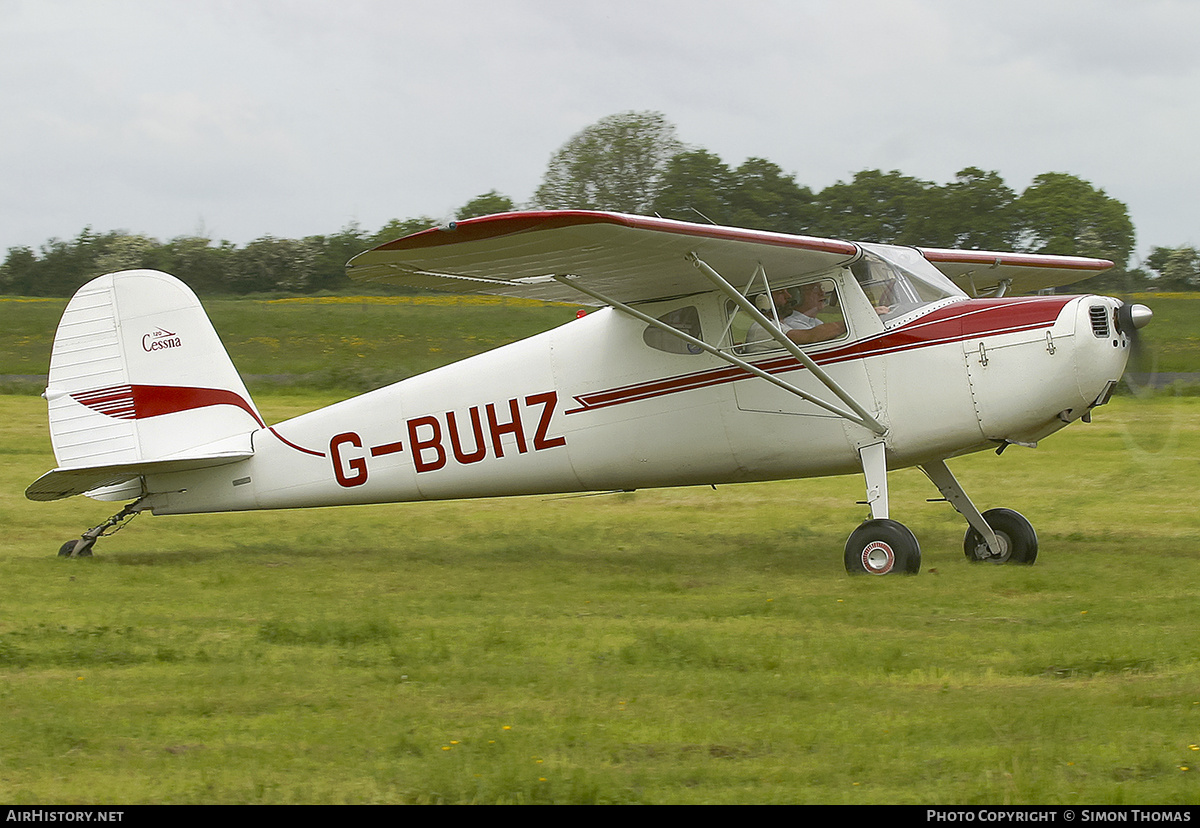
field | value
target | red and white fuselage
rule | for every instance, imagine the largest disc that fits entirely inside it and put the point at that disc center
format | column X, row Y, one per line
column 588, row 407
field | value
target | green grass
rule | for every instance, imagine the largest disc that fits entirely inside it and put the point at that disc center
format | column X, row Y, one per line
column 668, row 646
column 27, row 332
column 1173, row 337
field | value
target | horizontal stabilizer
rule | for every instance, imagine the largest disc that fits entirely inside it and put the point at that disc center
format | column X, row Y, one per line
column 61, row 483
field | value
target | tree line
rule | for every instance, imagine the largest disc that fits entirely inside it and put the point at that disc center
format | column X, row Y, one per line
column 634, row 162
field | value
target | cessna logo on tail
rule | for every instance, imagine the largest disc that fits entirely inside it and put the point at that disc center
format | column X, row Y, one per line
column 159, row 339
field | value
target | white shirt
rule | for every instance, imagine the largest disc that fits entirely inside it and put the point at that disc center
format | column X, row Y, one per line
column 757, row 338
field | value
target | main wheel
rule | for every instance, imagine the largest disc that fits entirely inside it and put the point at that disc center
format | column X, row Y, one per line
column 1018, row 540
column 883, row 547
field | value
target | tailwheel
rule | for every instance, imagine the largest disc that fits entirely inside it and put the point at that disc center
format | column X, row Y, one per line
column 1018, row 540
column 68, row 549
column 883, row 547
column 82, row 548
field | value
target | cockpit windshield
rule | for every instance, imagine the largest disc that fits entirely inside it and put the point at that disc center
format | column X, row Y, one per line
column 898, row 280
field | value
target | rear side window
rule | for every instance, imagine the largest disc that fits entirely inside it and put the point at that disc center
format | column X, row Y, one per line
column 686, row 320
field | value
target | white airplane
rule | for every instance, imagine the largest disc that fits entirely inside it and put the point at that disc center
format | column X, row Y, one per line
column 720, row 355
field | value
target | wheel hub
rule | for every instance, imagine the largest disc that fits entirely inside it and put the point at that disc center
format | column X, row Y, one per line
column 986, row 554
column 878, row 558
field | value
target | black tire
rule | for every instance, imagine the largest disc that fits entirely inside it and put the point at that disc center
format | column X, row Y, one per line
column 68, row 549
column 883, row 547
column 1016, row 535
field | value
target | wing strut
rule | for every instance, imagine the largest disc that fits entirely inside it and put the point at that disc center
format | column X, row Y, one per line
column 864, row 417
column 704, row 346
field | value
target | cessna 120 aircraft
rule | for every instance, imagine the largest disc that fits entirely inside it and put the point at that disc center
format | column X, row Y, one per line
column 720, row 355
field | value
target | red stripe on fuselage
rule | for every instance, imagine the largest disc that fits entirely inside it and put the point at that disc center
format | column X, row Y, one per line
column 290, row 444
column 975, row 318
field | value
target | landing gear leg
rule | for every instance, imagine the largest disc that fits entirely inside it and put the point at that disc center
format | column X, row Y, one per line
column 998, row 535
column 880, row 546
column 82, row 548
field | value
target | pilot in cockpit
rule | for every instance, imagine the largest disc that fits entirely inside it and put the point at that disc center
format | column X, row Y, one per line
column 797, row 319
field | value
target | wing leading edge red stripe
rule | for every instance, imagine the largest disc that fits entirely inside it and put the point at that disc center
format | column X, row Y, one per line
column 507, row 224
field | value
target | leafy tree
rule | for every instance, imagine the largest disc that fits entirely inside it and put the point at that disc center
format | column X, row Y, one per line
column 1177, row 268
column 975, row 211
column 330, row 254
column 875, row 206
column 66, row 265
column 765, row 198
column 758, row 195
column 398, row 229
column 269, row 264
column 487, row 204
column 616, row 163
column 696, row 184
column 197, row 262
column 1062, row 214
column 126, row 252
column 63, row 266
column 19, row 271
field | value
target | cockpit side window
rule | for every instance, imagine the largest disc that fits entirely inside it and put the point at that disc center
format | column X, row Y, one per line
column 895, row 289
column 807, row 313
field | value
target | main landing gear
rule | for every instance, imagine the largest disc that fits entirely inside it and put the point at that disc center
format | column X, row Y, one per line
column 82, row 548
column 882, row 546
column 1018, row 542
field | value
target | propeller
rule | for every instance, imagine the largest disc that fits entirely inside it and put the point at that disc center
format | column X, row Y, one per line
column 1131, row 318
column 1153, row 449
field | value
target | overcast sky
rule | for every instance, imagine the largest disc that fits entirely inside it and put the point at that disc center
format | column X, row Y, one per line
column 242, row 118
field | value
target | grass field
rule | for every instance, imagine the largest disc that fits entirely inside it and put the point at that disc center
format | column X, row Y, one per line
column 676, row 646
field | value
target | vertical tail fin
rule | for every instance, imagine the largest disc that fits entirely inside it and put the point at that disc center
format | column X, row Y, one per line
column 138, row 375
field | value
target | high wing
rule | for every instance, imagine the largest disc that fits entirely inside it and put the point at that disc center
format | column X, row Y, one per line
column 636, row 259
column 983, row 273
column 631, row 259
